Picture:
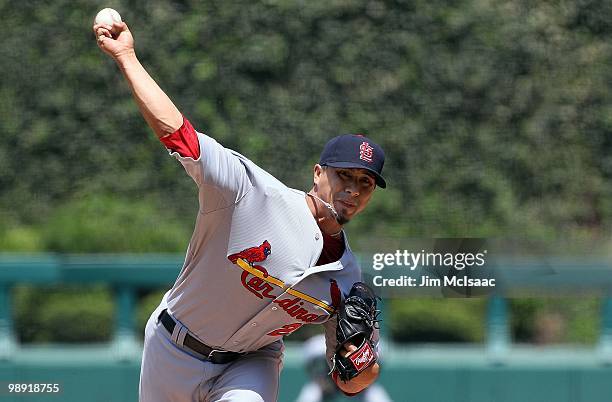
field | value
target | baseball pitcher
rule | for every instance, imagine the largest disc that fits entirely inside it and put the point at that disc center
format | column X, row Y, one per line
column 263, row 260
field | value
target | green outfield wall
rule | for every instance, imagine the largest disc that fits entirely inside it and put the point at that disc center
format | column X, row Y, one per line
column 421, row 374
column 495, row 371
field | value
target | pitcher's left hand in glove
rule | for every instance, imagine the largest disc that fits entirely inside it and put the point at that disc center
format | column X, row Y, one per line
column 357, row 318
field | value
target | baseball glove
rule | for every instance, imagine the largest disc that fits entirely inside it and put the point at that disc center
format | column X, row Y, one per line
column 357, row 318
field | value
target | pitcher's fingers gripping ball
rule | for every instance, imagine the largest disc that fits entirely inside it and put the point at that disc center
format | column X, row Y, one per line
column 112, row 34
column 105, row 19
column 357, row 318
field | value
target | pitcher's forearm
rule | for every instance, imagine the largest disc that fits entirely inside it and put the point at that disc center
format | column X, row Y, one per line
column 156, row 107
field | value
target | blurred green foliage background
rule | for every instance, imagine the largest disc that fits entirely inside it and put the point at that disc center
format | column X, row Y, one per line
column 496, row 117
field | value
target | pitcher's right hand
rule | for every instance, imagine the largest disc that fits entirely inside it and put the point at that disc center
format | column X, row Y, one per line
column 115, row 40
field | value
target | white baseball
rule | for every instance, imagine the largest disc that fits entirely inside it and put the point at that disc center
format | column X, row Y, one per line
column 107, row 16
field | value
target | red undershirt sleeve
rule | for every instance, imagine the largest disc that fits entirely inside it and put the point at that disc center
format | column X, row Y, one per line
column 184, row 141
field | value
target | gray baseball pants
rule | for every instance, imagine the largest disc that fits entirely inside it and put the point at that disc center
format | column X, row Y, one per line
column 170, row 373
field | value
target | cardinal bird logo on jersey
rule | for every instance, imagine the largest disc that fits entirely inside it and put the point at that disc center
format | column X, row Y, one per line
column 253, row 254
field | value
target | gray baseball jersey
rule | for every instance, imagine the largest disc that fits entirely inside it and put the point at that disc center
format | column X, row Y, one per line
column 249, row 275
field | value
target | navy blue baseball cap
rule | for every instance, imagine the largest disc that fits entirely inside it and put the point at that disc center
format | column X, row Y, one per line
column 355, row 151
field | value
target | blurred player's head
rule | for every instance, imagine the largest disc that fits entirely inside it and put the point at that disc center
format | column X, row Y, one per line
column 316, row 364
column 348, row 171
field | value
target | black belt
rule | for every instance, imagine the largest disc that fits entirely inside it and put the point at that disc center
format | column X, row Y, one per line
column 212, row 355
